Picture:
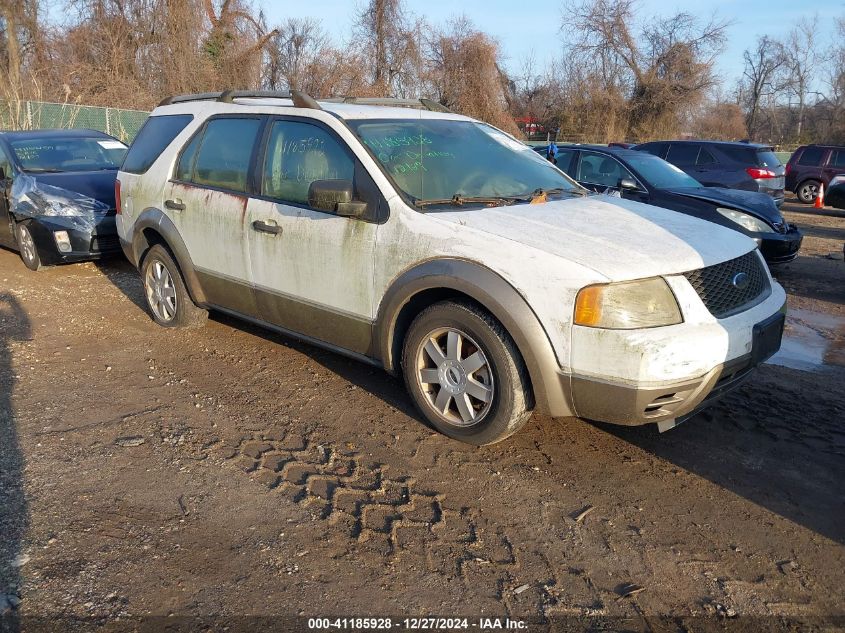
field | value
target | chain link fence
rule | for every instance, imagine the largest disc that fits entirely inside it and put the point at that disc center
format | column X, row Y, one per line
column 31, row 115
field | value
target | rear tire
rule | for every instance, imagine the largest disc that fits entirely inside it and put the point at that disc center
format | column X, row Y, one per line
column 164, row 290
column 808, row 191
column 465, row 374
column 27, row 249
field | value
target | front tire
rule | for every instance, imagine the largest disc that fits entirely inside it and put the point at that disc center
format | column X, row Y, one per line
column 465, row 374
column 164, row 290
column 808, row 191
column 26, row 245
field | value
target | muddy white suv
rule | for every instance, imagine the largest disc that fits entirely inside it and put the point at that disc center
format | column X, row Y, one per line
column 441, row 248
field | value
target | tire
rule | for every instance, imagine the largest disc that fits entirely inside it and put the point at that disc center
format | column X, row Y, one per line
column 165, row 293
column 807, row 191
column 26, row 247
column 478, row 391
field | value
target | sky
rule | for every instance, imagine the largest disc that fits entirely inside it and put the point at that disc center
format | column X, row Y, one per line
column 525, row 26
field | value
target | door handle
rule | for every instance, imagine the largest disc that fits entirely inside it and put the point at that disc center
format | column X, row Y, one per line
column 264, row 227
column 176, row 204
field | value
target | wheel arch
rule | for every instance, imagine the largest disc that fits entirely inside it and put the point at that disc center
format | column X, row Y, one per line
column 154, row 227
column 443, row 279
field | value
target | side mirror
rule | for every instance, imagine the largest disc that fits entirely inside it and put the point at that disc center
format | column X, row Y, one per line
column 335, row 196
column 628, row 184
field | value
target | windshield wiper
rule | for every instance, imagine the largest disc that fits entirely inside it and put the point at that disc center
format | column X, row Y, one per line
column 459, row 200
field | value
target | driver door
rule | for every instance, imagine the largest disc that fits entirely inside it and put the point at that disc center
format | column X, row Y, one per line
column 312, row 270
column 7, row 237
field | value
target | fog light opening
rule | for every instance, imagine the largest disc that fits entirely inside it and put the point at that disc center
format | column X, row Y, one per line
column 62, row 241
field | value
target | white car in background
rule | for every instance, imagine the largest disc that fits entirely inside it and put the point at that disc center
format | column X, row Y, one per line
column 441, row 248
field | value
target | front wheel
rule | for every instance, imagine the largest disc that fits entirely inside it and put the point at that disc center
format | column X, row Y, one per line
column 28, row 250
column 465, row 374
column 165, row 291
column 808, row 190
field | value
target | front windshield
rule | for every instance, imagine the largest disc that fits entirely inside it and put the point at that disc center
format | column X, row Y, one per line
column 660, row 174
column 438, row 159
column 68, row 154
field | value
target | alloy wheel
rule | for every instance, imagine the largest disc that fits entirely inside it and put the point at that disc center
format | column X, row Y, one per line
column 161, row 293
column 455, row 375
column 26, row 243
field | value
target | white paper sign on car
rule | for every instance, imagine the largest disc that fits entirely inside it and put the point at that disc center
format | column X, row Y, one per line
column 111, row 145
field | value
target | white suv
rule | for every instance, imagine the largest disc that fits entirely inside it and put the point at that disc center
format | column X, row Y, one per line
column 437, row 246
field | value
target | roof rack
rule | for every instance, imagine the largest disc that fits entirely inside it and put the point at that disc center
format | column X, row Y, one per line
column 428, row 104
column 303, row 100
column 300, row 99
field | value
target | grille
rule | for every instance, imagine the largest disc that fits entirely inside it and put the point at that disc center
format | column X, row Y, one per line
column 105, row 243
column 715, row 286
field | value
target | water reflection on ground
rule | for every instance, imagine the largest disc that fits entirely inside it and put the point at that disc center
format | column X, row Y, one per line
column 811, row 341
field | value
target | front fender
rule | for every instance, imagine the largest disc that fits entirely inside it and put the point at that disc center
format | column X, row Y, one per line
column 501, row 299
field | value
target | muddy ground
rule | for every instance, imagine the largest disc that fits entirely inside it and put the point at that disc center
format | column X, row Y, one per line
column 229, row 472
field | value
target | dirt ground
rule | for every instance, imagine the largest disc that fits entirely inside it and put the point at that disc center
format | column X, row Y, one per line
column 231, row 475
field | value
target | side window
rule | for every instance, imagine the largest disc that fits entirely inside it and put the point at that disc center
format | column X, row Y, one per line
column 655, row 149
column 705, row 157
column 683, row 153
column 297, row 155
column 225, row 152
column 811, row 156
column 600, row 169
column 838, row 158
column 564, row 159
column 185, row 168
column 5, row 165
column 156, row 134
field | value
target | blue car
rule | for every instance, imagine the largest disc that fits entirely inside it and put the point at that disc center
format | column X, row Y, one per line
column 646, row 178
column 745, row 166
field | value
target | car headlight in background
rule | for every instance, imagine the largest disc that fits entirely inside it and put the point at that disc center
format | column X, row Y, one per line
column 748, row 222
column 627, row 306
column 62, row 241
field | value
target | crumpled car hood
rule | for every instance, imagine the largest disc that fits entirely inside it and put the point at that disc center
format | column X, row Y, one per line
column 30, row 198
column 620, row 239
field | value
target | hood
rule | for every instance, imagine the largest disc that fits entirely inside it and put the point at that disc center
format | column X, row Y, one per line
column 619, row 239
column 758, row 204
column 98, row 185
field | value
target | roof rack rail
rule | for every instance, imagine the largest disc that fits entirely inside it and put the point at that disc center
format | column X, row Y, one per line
column 300, row 99
column 428, row 104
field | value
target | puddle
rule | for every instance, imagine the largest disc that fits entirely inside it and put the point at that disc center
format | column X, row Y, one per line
column 811, row 340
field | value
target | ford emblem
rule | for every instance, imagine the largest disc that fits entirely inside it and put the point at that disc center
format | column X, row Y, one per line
column 740, row 281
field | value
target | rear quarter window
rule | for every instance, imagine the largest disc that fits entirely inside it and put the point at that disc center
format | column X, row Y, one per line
column 745, row 155
column 811, row 156
column 155, row 135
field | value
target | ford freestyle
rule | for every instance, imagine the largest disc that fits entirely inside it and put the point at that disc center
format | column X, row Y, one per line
column 442, row 249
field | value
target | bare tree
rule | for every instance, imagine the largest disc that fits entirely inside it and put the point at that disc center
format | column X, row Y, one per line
column 292, row 54
column 762, row 78
column 804, row 59
column 666, row 64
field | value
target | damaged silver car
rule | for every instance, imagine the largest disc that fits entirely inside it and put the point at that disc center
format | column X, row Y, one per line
column 57, row 195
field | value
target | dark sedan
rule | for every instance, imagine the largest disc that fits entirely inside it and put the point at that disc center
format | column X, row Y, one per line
column 57, row 195
column 646, row 178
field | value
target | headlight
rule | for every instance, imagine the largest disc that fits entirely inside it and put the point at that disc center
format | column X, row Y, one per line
column 628, row 305
column 748, row 222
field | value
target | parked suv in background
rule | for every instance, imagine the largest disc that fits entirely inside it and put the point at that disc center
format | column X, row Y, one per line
column 811, row 165
column 745, row 166
column 438, row 247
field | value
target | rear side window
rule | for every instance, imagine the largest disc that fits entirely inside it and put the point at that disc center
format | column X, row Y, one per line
column 705, row 158
column 656, row 149
column 156, row 134
column 744, row 155
column 297, row 155
column 683, row 154
column 811, row 156
column 767, row 158
column 838, row 158
column 224, row 154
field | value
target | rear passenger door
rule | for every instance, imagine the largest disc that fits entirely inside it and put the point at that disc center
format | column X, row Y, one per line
column 684, row 156
column 706, row 169
column 312, row 270
column 207, row 201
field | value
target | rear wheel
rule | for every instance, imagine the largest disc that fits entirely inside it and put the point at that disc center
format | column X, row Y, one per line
column 28, row 250
column 807, row 191
column 165, row 291
column 465, row 374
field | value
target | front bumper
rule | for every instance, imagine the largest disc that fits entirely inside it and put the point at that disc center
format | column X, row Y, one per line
column 780, row 248
column 87, row 242
column 665, row 374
